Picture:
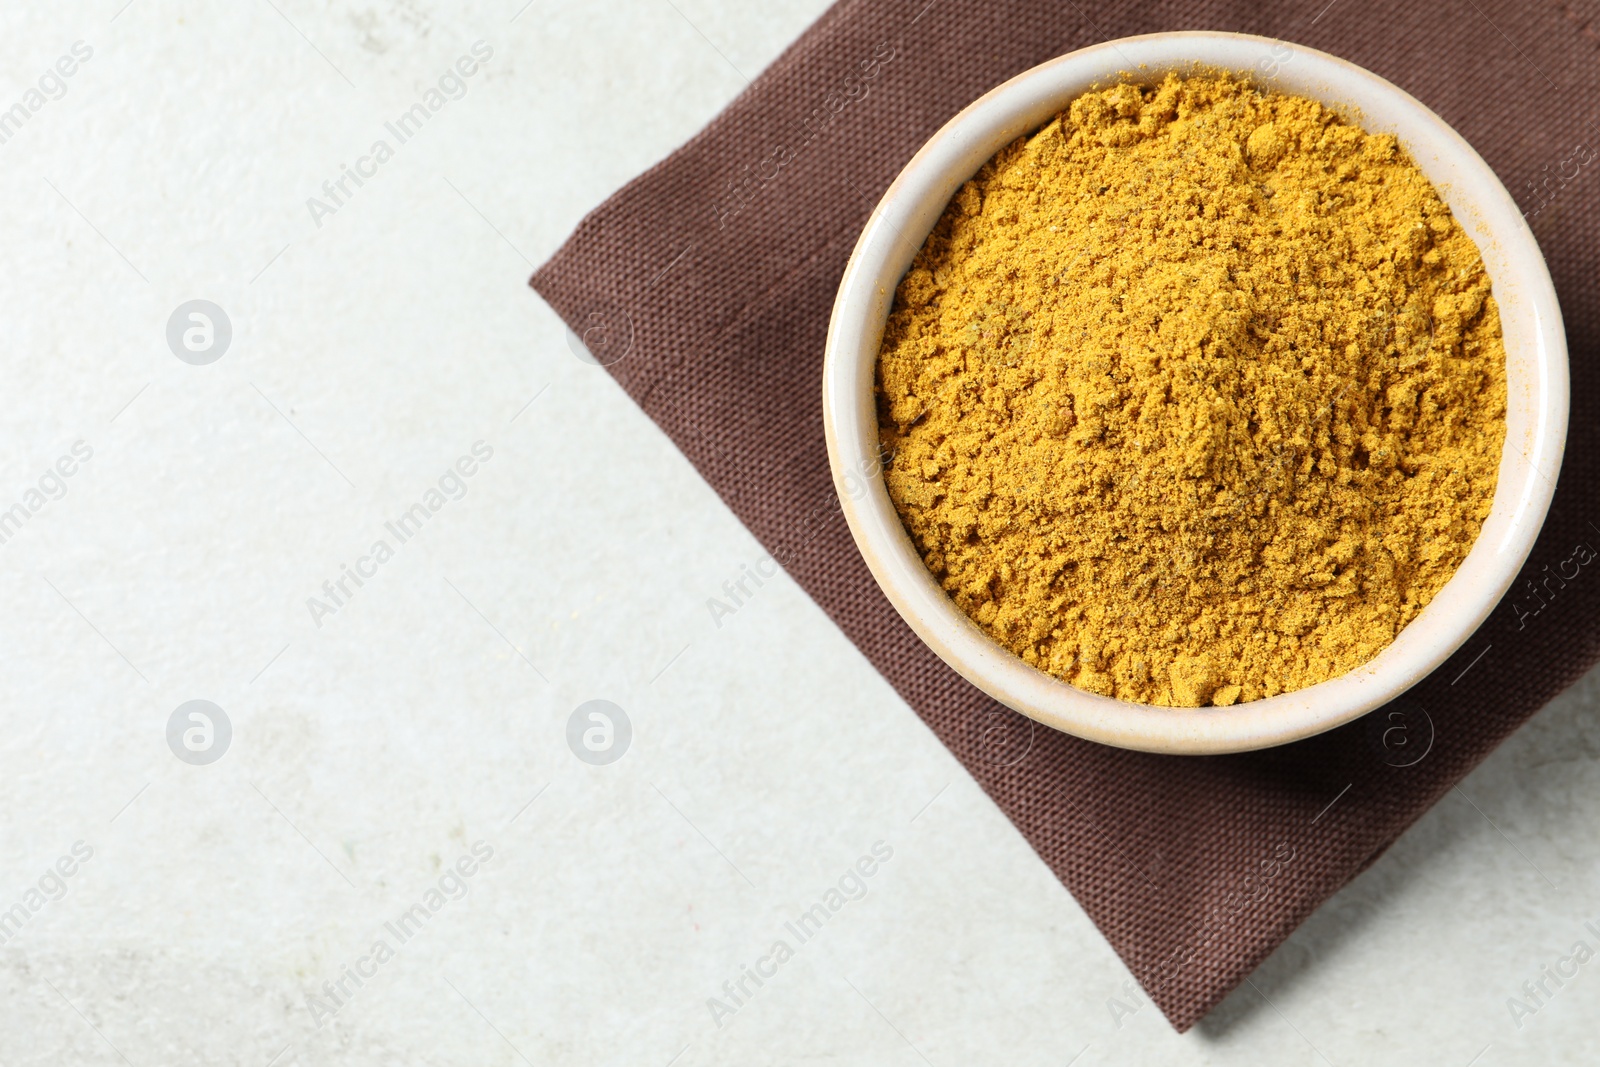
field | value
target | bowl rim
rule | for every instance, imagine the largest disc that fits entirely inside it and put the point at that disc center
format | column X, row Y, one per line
column 1530, row 461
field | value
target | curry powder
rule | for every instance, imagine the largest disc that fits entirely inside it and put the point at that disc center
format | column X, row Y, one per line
column 1196, row 395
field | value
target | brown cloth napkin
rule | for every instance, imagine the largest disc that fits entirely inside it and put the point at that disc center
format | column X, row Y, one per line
column 706, row 286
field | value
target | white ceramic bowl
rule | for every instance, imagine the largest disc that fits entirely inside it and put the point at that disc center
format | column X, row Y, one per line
column 1536, row 376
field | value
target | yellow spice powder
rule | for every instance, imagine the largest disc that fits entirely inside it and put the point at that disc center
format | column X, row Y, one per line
column 1196, row 395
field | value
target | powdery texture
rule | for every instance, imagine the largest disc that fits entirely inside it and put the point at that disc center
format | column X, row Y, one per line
column 1196, row 395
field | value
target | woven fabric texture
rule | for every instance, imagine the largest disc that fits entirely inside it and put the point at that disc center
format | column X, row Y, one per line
column 706, row 286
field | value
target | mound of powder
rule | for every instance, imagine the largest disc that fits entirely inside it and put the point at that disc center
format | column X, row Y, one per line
column 1196, row 395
